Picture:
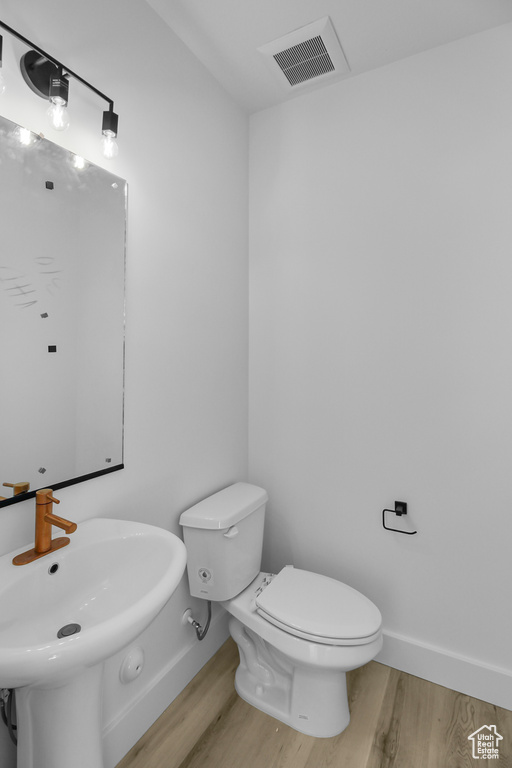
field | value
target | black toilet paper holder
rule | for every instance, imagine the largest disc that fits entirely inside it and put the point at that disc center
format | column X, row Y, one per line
column 400, row 509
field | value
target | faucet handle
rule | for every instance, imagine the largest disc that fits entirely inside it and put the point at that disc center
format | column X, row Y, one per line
column 22, row 487
column 45, row 495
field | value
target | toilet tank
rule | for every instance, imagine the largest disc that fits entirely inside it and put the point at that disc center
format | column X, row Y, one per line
column 224, row 538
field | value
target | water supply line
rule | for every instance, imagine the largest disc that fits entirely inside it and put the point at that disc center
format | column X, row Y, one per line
column 8, row 712
column 200, row 632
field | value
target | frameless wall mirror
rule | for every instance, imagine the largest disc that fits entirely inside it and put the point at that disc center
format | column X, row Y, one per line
column 62, row 265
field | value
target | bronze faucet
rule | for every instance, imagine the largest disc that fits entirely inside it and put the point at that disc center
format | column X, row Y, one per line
column 22, row 487
column 18, row 487
column 44, row 544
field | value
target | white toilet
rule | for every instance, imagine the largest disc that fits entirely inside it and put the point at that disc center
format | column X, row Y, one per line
column 297, row 632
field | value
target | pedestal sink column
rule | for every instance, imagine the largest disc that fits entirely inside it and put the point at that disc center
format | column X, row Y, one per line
column 61, row 727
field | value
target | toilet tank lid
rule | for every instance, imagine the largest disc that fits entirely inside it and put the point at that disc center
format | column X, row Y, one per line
column 225, row 508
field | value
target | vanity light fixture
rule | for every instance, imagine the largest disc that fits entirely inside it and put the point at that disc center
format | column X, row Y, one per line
column 49, row 78
column 109, row 131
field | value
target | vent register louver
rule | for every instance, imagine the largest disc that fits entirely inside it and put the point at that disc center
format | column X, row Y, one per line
column 305, row 61
column 306, row 54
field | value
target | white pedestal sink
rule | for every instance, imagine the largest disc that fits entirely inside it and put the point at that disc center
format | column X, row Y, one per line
column 111, row 580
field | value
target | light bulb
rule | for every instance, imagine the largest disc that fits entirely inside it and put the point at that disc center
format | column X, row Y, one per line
column 109, row 145
column 78, row 163
column 25, row 136
column 58, row 114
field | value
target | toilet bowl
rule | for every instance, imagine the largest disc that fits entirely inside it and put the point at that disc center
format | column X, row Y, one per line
column 297, row 632
column 286, row 670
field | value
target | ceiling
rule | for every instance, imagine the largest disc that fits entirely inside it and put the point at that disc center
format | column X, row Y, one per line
column 226, row 34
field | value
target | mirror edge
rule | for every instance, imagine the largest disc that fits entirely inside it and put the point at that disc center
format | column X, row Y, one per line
column 62, row 484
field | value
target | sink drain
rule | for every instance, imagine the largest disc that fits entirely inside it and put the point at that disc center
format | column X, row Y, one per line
column 69, row 629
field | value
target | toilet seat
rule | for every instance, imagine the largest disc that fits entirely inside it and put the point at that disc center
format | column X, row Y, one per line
column 318, row 608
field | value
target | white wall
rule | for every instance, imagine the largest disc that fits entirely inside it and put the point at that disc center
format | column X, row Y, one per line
column 183, row 150
column 380, row 325
column 380, row 365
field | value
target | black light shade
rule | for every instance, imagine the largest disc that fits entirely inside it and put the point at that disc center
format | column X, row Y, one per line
column 110, row 121
column 1, row 46
column 43, row 76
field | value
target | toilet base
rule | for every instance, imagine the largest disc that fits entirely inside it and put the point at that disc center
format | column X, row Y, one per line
column 312, row 701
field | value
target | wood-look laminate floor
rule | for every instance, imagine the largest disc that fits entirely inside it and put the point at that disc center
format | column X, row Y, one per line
column 397, row 721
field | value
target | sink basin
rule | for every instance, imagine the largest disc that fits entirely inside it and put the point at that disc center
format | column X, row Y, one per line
column 111, row 580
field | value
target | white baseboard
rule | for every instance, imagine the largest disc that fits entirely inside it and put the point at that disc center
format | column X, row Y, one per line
column 131, row 723
column 439, row 666
column 434, row 664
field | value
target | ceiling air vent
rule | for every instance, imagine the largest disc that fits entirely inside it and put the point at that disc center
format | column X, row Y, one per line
column 304, row 61
column 306, row 54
